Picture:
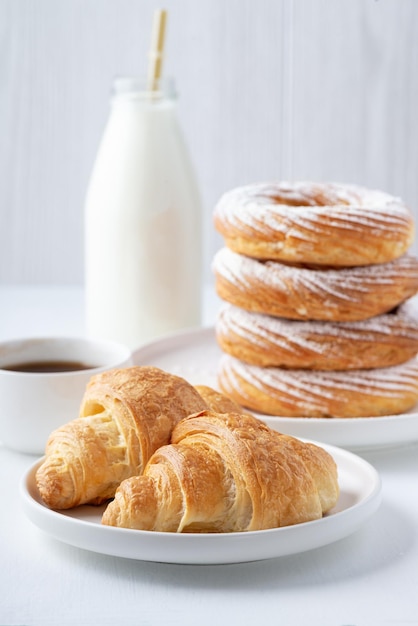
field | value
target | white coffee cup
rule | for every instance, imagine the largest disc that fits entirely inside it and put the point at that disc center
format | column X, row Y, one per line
column 34, row 403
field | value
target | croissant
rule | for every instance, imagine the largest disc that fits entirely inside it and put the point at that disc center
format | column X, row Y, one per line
column 226, row 473
column 125, row 415
column 219, row 402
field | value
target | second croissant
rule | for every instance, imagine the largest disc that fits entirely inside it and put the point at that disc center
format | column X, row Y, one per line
column 226, row 473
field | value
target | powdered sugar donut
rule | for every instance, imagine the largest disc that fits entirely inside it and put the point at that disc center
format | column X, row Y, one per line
column 322, row 223
column 308, row 393
column 344, row 294
column 380, row 341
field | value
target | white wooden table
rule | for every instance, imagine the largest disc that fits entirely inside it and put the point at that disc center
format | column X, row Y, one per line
column 370, row 578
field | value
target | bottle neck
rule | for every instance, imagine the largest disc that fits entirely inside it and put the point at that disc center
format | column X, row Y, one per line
column 138, row 90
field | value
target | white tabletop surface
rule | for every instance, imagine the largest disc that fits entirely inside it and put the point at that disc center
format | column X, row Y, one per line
column 368, row 578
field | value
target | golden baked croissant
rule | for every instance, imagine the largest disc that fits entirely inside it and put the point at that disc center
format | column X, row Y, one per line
column 225, row 473
column 125, row 416
column 219, row 402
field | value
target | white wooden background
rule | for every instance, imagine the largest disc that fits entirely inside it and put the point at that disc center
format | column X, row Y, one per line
column 269, row 89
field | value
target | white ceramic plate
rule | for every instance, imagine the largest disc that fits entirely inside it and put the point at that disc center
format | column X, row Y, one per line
column 194, row 355
column 360, row 496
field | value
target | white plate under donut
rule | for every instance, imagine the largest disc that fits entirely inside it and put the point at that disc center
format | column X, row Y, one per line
column 194, row 355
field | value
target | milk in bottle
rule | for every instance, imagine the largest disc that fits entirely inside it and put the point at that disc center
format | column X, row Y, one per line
column 142, row 229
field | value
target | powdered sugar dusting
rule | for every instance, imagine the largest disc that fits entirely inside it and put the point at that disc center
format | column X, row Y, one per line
column 300, row 208
column 315, row 337
column 345, row 284
column 311, row 388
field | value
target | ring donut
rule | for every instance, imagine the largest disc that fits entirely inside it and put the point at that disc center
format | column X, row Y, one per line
column 322, row 223
column 257, row 339
column 308, row 393
column 344, row 294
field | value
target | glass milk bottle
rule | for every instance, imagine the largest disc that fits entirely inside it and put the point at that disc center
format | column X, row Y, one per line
column 143, row 222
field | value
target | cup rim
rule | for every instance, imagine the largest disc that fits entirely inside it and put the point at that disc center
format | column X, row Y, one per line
column 122, row 354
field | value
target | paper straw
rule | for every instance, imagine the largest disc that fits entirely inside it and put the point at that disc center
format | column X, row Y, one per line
column 156, row 53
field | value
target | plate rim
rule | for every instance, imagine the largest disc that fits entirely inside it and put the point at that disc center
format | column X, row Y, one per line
column 170, row 547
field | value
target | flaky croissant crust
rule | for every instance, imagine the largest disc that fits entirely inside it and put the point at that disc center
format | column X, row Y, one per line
column 226, row 473
column 125, row 415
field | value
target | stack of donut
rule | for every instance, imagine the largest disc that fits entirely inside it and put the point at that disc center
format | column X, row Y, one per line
column 317, row 281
